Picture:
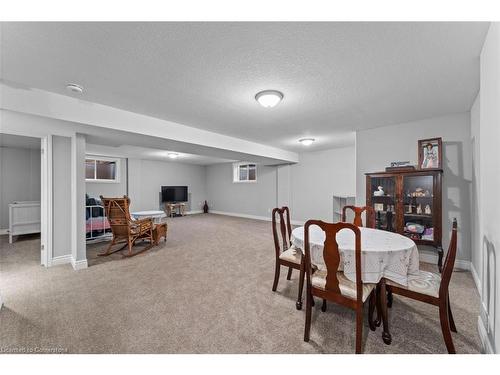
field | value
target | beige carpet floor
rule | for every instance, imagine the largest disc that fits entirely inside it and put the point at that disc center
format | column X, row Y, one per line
column 206, row 290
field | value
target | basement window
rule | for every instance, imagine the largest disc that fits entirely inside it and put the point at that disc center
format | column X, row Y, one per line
column 101, row 169
column 244, row 172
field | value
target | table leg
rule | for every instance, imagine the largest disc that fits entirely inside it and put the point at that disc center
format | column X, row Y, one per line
column 382, row 304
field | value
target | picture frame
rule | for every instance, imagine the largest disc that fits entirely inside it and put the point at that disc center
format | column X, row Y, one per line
column 430, row 153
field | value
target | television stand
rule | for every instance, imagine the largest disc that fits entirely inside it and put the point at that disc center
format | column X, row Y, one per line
column 175, row 209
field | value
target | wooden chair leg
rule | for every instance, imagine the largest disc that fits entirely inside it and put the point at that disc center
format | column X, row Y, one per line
column 130, row 244
column 289, row 276
column 298, row 305
column 371, row 308
column 323, row 305
column 450, row 317
column 382, row 305
column 445, row 326
column 307, row 328
column 276, row 276
column 359, row 328
column 108, row 250
column 389, row 298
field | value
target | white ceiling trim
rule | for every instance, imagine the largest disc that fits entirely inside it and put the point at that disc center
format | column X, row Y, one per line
column 61, row 107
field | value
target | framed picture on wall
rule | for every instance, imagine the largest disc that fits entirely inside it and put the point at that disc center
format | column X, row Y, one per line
column 430, row 153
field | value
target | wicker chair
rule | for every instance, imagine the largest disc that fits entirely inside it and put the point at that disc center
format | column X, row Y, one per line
column 124, row 228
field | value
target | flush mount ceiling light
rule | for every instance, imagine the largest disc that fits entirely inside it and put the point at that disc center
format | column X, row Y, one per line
column 269, row 98
column 77, row 89
column 173, row 155
column 307, row 141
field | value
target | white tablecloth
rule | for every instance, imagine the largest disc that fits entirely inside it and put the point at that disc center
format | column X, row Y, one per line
column 383, row 254
column 156, row 215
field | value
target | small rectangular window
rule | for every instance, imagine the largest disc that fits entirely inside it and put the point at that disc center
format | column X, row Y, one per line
column 90, row 169
column 102, row 169
column 244, row 172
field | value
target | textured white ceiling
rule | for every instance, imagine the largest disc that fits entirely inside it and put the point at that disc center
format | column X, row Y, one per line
column 336, row 77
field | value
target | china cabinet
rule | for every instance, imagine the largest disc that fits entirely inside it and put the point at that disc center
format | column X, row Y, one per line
column 409, row 203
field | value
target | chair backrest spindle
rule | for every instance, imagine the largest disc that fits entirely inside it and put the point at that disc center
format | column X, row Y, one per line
column 449, row 262
column 285, row 229
column 331, row 254
column 358, row 221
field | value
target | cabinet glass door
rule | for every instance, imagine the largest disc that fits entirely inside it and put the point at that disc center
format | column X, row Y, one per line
column 383, row 198
column 418, row 208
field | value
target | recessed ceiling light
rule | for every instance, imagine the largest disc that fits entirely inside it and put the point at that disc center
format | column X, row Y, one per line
column 269, row 98
column 77, row 89
column 173, row 155
column 307, row 141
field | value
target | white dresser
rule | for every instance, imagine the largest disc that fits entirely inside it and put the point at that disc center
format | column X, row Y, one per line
column 24, row 218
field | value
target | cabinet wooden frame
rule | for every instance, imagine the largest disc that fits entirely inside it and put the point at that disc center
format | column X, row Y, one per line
column 398, row 178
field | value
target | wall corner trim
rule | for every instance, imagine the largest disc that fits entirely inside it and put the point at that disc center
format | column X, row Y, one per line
column 475, row 276
column 79, row 264
column 63, row 259
column 487, row 347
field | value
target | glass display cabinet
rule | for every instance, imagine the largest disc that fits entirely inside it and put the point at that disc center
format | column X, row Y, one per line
column 409, row 203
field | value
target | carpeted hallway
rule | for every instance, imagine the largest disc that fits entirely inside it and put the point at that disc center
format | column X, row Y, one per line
column 206, row 290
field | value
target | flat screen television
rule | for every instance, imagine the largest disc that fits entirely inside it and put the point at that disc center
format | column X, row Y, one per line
column 174, row 194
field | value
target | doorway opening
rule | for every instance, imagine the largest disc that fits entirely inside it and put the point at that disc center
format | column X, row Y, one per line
column 22, row 233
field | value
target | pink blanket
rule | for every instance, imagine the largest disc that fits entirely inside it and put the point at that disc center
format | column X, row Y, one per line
column 97, row 223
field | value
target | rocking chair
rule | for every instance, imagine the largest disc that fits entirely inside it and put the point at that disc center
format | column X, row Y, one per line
column 124, row 228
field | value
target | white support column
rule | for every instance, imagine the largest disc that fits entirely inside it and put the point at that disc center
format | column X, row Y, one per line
column 78, row 246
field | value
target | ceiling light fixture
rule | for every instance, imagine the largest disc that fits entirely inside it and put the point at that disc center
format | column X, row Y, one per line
column 269, row 98
column 77, row 89
column 307, row 141
column 173, row 155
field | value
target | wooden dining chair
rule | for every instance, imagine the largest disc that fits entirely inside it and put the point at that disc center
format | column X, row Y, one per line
column 125, row 230
column 358, row 221
column 331, row 284
column 432, row 288
column 286, row 254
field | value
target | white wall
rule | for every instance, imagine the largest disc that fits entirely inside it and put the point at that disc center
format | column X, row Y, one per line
column 317, row 177
column 61, row 185
column 19, row 178
column 376, row 148
column 146, row 177
column 78, row 218
column 476, row 260
column 489, row 187
column 252, row 198
column 109, row 189
column 307, row 187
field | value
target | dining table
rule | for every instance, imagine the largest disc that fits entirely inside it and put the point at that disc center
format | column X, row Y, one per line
column 384, row 255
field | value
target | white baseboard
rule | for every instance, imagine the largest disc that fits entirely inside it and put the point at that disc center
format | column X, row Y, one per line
column 475, row 276
column 68, row 259
column 254, row 217
column 194, row 212
column 79, row 265
column 264, row 218
column 483, row 335
column 63, row 259
column 4, row 232
column 433, row 259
